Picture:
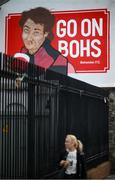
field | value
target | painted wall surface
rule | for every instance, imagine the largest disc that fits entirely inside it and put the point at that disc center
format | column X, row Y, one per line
column 99, row 79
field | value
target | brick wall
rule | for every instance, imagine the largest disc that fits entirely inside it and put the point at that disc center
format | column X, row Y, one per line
column 112, row 127
column 103, row 170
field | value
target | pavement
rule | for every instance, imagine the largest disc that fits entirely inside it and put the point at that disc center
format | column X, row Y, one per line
column 112, row 176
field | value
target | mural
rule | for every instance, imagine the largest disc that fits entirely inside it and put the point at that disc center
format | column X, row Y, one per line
column 64, row 41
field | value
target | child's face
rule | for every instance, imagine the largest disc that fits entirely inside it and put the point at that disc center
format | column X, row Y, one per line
column 68, row 143
column 33, row 35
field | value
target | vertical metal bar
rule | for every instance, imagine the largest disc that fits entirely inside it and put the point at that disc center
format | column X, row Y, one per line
column 17, row 129
column 35, row 131
column 23, row 118
column 1, row 118
column 8, row 122
column 2, row 102
column 20, row 134
column 3, row 122
column 26, row 129
column 4, row 127
column 11, row 124
column 23, row 127
column 9, row 128
column 0, row 114
column 13, row 130
column 31, row 125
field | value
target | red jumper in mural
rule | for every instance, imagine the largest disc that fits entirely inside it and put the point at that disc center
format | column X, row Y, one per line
column 37, row 25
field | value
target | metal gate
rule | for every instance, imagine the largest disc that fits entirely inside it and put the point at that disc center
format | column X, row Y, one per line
column 36, row 116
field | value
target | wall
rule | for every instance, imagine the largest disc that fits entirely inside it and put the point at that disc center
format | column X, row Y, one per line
column 102, row 80
column 98, row 79
column 112, row 127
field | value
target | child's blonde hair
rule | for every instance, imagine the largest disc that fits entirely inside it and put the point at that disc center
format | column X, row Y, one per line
column 80, row 146
column 77, row 143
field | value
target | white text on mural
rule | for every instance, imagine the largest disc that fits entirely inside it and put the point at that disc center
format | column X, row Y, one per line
column 89, row 43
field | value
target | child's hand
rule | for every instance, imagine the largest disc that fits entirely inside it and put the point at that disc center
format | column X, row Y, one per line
column 64, row 163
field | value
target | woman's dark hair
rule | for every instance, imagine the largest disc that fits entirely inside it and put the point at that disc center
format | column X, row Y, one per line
column 39, row 15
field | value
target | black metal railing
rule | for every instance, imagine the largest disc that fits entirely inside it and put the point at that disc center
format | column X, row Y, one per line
column 37, row 109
